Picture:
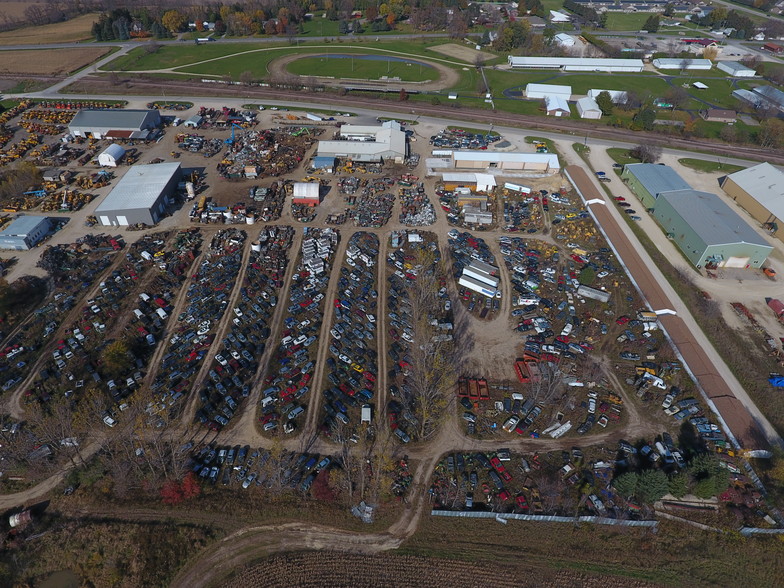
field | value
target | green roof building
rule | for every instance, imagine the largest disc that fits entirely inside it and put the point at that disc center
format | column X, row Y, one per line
column 648, row 180
column 709, row 232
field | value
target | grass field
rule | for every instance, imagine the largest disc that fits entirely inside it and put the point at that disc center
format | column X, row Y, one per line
column 620, row 21
column 361, row 68
column 704, row 165
column 620, row 155
column 49, row 61
column 77, row 29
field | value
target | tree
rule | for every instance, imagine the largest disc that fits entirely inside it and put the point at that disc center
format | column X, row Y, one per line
column 652, row 485
column 678, row 484
column 770, row 133
column 116, row 358
column 403, row 96
column 174, row 21
column 605, row 102
column 652, row 24
column 246, row 77
column 669, row 9
column 626, row 484
column 646, row 153
column 587, row 275
column 677, row 96
column 645, row 118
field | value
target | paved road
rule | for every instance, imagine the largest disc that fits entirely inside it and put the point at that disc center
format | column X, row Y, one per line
column 741, row 416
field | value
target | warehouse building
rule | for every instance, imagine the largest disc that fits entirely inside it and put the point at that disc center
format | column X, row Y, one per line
column 545, row 90
column 736, row 69
column 25, row 232
column 759, row 190
column 364, row 143
column 577, row 64
column 682, row 64
column 117, row 124
column 708, row 232
column 648, row 180
column 749, row 97
column 140, row 196
column 545, row 163
column 770, row 96
column 111, row 156
column 305, row 193
column 588, row 108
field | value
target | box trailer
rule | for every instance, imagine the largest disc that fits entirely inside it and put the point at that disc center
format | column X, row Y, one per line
column 477, row 286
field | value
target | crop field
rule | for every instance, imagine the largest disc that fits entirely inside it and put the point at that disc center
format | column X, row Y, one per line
column 49, row 61
column 77, row 29
column 462, row 52
column 361, row 67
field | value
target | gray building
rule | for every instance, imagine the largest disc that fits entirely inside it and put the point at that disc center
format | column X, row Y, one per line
column 771, row 96
column 368, row 143
column 118, row 124
column 140, row 196
column 25, row 232
column 708, row 231
column 648, row 180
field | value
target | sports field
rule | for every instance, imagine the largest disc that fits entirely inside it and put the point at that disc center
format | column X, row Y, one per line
column 370, row 67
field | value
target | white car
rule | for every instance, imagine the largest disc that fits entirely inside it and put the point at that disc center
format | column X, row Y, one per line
column 221, row 360
column 109, row 421
column 511, row 423
column 591, row 405
column 667, row 401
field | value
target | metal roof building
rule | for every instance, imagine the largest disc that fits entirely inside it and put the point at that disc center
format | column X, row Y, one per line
column 140, row 196
column 577, row 64
column 492, row 161
column 648, row 180
column 708, row 231
column 748, row 96
column 25, row 232
column 760, row 191
column 736, row 69
column 368, row 143
column 545, row 90
column 306, row 193
column 556, row 106
column 482, row 182
column 111, row 156
column 678, row 63
column 771, row 95
column 128, row 124
column 588, row 108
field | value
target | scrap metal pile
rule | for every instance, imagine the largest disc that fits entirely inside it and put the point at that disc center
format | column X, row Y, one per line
column 272, row 152
column 416, row 208
column 373, row 207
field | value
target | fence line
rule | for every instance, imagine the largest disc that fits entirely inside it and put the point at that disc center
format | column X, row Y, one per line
column 749, row 531
column 542, row 518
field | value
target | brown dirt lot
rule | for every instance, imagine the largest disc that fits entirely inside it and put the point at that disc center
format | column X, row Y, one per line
column 461, row 52
column 49, row 62
column 76, row 29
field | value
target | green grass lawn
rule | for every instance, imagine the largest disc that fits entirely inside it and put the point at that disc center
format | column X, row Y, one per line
column 361, row 68
column 704, row 165
column 620, row 155
column 619, row 21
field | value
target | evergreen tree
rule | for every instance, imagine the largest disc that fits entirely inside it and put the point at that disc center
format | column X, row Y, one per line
column 605, row 103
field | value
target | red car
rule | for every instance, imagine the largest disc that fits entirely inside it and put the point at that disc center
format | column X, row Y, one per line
column 522, row 503
column 504, row 495
column 622, row 320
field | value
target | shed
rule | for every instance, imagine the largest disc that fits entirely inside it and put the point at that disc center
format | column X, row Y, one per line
column 564, row 40
column 545, row 90
column 708, row 231
column 760, row 191
column 700, row 85
column 648, row 180
column 306, row 193
column 324, row 163
column 140, row 196
column 111, row 156
column 194, row 122
column 556, row 106
column 588, row 108
column 25, row 232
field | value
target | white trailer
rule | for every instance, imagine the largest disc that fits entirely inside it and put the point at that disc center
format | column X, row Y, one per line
column 477, row 286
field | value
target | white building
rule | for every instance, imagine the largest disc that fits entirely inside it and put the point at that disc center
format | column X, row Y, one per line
column 140, row 196
column 588, row 108
column 683, row 64
column 556, row 16
column 480, row 182
column 111, row 156
column 617, row 96
column 556, row 106
column 368, row 143
column 305, row 193
column 736, row 69
column 545, row 90
column 577, row 64
column 563, row 40
column 493, row 162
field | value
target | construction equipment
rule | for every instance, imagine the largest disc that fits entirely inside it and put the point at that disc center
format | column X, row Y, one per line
column 230, row 140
